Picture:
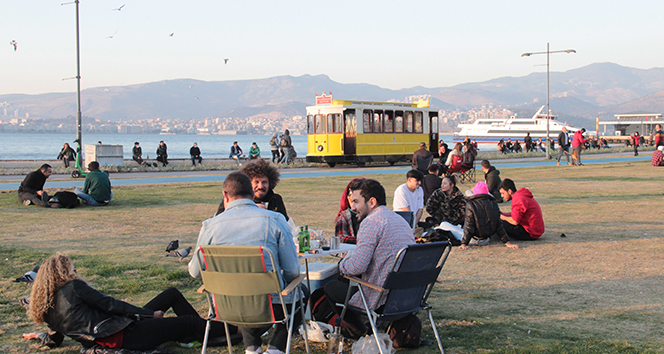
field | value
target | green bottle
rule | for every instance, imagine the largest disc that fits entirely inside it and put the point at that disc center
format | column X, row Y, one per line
column 307, row 238
column 300, row 240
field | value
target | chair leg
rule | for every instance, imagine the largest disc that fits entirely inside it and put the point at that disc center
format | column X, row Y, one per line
column 304, row 322
column 435, row 332
column 228, row 339
column 290, row 321
column 205, row 337
column 372, row 320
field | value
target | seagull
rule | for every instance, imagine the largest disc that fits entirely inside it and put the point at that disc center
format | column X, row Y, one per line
column 171, row 35
column 173, row 246
column 180, row 253
column 13, row 42
column 111, row 37
column 119, row 8
column 28, row 277
column 225, row 61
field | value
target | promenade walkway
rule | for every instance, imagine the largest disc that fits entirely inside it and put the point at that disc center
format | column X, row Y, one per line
column 9, row 183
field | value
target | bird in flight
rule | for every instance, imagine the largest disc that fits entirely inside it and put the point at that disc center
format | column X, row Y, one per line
column 171, row 35
column 225, row 61
column 13, row 42
column 119, row 8
column 111, row 36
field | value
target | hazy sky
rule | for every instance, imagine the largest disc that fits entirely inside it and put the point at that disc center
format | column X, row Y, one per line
column 389, row 43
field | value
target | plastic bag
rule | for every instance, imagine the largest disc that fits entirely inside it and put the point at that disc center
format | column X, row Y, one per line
column 317, row 331
column 367, row 345
column 456, row 230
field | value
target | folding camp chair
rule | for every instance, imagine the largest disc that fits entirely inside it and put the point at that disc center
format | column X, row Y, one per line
column 406, row 215
column 238, row 287
column 413, row 274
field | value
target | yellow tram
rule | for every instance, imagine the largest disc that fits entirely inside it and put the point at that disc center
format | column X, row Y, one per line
column 387, row 131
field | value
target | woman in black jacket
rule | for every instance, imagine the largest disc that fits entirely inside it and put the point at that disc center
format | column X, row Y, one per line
column 69, row 306
column 483, row 219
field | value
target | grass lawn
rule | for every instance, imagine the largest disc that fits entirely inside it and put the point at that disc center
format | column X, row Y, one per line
column 598, row 290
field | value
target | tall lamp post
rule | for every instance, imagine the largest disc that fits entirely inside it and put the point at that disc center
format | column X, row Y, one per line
column 548, row 111
column 79, row 138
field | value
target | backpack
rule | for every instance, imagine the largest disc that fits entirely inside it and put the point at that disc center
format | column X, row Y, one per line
column 321, row 309
column 437, row 235
column 405, row 333
column 65, row 200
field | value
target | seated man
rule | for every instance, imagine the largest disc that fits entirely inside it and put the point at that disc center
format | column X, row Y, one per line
column 162, row 153
column 254, row 151
column 137, row 155
column 409, row 196
column 482, row 220
column 31, row 190
column 423, row 153
column 97, row 188
column 195, row 154
column 236, row 153
column 264, row 178
column 244, row 223
column 525, row 221
column 431, row 181
column 658, row 156
column 381, row 235
column 492, row 180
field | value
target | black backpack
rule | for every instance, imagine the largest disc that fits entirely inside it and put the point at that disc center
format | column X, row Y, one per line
column 405, row 333
column 65, row 200
column 321, row 308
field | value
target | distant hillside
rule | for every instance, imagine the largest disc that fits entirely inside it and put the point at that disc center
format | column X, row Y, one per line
column 578, row 94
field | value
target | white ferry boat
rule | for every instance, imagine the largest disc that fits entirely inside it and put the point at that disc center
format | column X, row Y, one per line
column 492, row 130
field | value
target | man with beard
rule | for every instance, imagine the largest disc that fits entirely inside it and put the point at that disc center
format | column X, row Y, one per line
column 31, row 190
column 264, row 178
column 381, row 235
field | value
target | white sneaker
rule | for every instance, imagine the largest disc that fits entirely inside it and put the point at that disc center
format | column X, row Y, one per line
column 274, row 351
column 26, row 202
column 259, row 350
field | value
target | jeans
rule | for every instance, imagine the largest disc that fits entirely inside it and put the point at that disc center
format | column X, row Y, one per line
column 517, row 232
column 237, row 157
column 286, row 159
column 275, row 155
column 252, row 336
column 89, row 200
column 563, row 151
column 66, row 160
column 194, row 158
column 187, row 327
column 34, row 198
column 336, row 291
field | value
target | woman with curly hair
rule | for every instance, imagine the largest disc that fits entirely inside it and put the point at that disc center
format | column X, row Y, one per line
column 447, row 203
column 69, row 306
column 346, row 223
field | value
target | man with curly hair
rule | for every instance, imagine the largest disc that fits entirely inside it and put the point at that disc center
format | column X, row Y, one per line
column 264, row 178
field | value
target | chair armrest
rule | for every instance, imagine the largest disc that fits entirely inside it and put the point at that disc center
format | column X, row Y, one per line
column 201, row 289
column 362, row 282
column 293, row 284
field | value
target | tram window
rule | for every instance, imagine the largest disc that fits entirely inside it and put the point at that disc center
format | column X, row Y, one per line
column 389, row 121
column 418, row 122
column 320, row 124
column 377, row 124
column 334, row 123
column 350, row 122
column 310, row 124
column 366, row 121
column 409, row 122
column 434, row 124
column 398, row 122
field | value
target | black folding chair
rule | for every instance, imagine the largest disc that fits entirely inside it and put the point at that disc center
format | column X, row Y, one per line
column 406, row 215
column 408, row 285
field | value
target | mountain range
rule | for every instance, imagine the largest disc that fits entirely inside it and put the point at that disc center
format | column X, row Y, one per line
column 577, row 95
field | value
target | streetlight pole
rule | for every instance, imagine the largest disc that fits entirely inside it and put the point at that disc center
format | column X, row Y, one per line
column 78, row 81
column 548, row 110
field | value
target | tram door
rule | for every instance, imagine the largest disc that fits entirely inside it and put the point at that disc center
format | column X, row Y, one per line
column 433, row 133
column 350, row 129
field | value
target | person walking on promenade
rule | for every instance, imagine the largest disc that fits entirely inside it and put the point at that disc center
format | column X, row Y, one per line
column 528, row 142
column 274, row 148
column 31, row 190
column 658, row 135
column 162, row 153
column 563, row 142
column 67, row 154
column 236, row 153
column 286, row 144
column 195, row 154
column 635, row 142
column 577, row 145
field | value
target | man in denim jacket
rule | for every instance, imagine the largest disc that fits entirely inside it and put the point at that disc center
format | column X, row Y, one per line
column 244, row 223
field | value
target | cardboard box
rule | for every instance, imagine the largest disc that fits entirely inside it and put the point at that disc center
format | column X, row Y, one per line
column 320, row 273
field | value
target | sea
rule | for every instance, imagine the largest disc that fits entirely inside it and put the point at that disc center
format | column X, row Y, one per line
column 46, row 146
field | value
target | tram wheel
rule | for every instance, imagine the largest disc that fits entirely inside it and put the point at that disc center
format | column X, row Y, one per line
column 391, row 162
column 331, row 164
column 76, row 173
column 361, row 164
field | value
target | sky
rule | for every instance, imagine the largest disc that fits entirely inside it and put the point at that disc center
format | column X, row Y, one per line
column 390, row 43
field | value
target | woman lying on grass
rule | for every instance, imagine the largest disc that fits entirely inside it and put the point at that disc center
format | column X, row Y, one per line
column 69, row 306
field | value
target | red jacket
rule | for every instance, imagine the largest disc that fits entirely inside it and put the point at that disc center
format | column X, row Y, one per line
column 578, row 139
column 527, row 212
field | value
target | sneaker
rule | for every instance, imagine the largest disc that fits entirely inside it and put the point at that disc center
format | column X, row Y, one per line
column 558, row 163
column 274, row 351
column 258, row 350
column 569, row 164
column 27, row 202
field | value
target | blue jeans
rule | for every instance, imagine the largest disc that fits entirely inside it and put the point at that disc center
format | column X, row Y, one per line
column 194, row 158
column 89, row 200
column 238, row 157
column 286, row 159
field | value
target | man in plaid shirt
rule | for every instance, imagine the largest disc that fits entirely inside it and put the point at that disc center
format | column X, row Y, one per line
column 381, row 235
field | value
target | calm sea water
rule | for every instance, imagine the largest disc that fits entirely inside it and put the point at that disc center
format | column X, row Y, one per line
column 34, row 146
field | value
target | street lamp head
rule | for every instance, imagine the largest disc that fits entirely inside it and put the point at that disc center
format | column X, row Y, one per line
column 570, row 51
column 526, row 54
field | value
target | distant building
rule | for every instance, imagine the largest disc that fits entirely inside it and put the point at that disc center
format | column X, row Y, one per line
column 628, row 123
